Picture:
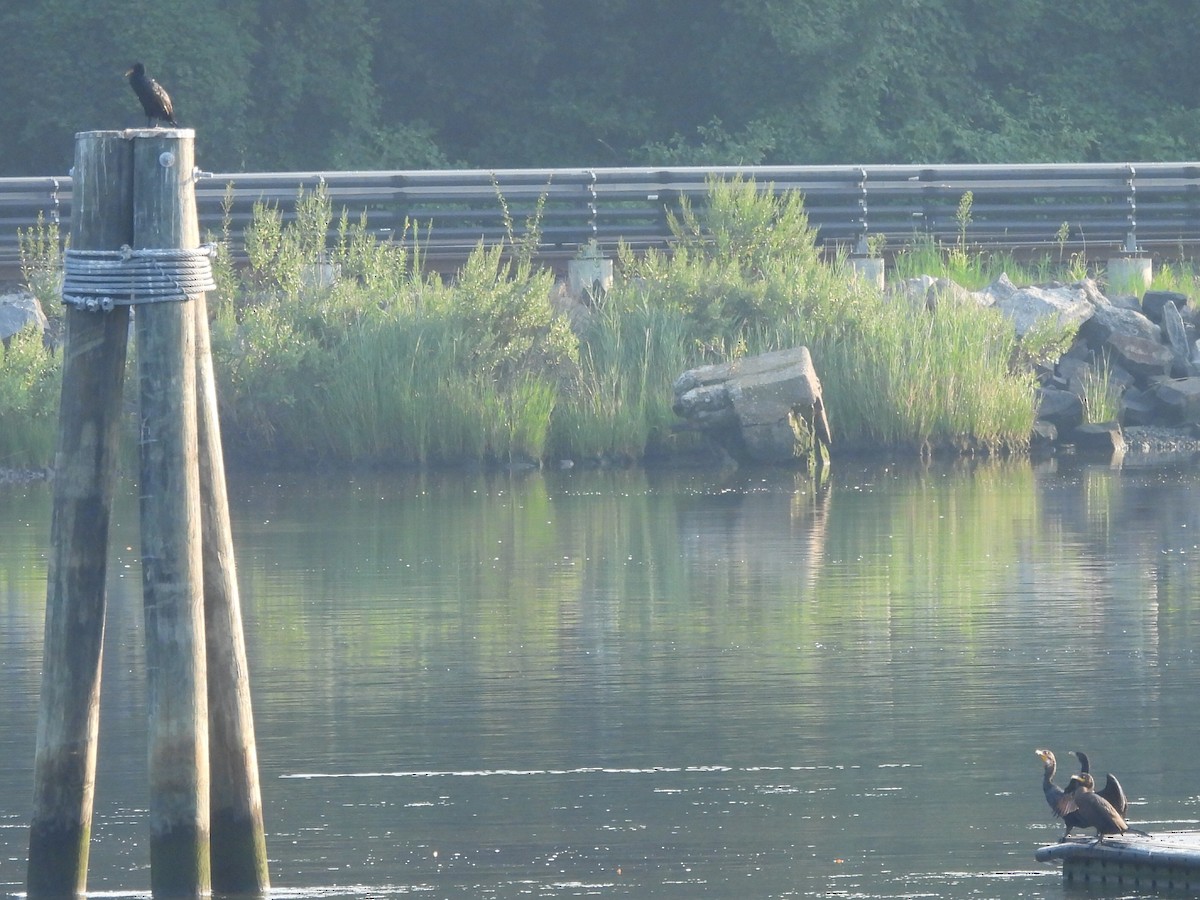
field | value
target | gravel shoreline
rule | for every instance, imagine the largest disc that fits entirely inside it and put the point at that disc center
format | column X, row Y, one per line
column 1157, row 439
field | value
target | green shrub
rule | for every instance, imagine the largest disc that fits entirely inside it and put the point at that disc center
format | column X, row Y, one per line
column 30, row 384
column 385, row 365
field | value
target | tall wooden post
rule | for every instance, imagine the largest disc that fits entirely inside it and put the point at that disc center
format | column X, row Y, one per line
column 164, row 216
column 84, row 483
column 239, row 847
column 135, row 188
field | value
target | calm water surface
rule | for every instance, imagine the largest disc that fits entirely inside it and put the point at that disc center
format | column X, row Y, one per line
column 634, row 684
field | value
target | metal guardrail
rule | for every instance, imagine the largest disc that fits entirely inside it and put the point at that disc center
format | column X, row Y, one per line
column 1118, row 206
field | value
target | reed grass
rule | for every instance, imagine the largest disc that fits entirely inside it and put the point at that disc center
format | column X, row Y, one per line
column 389, row 366
column 971, row 269
column 1181, row 276
column 383, row 364
column 974, row 269
column 619, row 404
column 30, row 384
column 1101, row 395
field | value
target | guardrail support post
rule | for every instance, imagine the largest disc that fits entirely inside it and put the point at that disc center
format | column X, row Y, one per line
column 590, row 274
column 1131, row 272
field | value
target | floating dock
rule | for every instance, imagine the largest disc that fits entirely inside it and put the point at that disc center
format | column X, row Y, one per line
column 1167, row 861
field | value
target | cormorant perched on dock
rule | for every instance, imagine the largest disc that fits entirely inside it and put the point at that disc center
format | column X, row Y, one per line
column 1080, row 796
column 1054, row 795
column 154, row 99
column 1112, row 790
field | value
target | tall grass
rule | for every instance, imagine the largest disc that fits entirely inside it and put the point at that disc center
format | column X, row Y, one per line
column 405, row 391
column 1101, row 395
column 973, row 269
column 30, row 384
column 968, row 268
column 346, row 351
column 619, row 405
column 1178, row 276
column 386, row 365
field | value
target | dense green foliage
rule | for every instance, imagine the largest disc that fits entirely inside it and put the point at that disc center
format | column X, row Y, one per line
column 304, row 84
column 354, row 355
column 29, row 388
column 400, row 367
column 383, row 364
column 747, row 277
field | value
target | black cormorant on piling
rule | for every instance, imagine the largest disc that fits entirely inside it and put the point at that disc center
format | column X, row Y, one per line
column 155, row 100
column 1112, row 790
column 1054, row 795
column 1080, row 796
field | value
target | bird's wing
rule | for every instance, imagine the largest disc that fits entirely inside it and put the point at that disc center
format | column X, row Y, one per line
column 1115, row 794
column 1066, row 804
column 1102, row 809
column 163, row 98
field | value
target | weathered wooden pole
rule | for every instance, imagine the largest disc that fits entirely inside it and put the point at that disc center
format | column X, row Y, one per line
column 84, row 483
column 164, row 217
column 239, row 847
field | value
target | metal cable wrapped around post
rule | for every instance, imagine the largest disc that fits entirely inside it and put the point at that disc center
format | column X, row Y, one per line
column 101, row 279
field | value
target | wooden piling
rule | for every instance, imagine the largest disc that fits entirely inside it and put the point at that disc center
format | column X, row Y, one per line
column 84, row 484
column 239, row 847
column 136, row 188
column 164, row 216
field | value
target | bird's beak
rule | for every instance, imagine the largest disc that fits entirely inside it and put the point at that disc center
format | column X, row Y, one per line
column 128, row 72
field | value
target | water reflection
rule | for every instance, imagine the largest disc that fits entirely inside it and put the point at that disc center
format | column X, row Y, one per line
column 656, row 684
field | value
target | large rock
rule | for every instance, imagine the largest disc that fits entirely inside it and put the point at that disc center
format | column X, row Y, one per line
column 1044, row 436
column 1027, row 307
column 1140, row 357
column 1099, row 438
column 19, row 311
column 1175, row 333
column 1108, row 319
column 1075, row 374
column 1179, row 401
column 1061, row 408
column 1139, row 407
column 927, row 292
column 1153, row 303
column 765, row 408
